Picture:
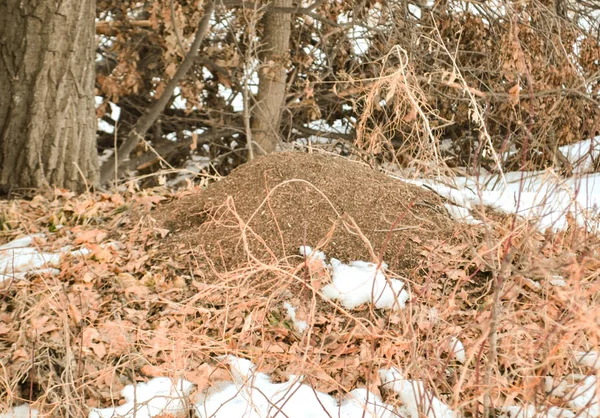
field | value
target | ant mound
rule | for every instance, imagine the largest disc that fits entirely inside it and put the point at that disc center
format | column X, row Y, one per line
column 266, row 209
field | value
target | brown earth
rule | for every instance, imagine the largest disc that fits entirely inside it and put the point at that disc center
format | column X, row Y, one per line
column 286, row 200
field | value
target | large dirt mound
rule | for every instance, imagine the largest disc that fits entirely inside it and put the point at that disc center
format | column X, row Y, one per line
column 286, row 200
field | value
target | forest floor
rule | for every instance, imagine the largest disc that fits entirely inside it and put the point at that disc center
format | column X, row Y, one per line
column 103, row 291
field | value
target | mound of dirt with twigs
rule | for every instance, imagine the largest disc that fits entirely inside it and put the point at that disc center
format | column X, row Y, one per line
column 264, row 210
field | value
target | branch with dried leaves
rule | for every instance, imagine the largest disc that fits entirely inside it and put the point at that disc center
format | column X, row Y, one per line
column 111, row 167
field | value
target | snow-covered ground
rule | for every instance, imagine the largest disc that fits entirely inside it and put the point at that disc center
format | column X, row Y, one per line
column 251, row 394
column 543, row 197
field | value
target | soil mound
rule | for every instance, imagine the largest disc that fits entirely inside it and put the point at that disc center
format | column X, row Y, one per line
column 286, row 200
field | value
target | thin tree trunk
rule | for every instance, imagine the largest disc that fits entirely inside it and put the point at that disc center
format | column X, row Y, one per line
column 47, row 111
column 266, row 114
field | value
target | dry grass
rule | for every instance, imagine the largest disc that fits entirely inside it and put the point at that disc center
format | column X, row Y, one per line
column 132, row 310
column 126, row 313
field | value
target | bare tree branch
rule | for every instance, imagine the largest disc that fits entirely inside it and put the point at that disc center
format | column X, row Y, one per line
column 111, row 167
column 324, row 134
column 308, row 10
column 167, row 149
column 271, row 8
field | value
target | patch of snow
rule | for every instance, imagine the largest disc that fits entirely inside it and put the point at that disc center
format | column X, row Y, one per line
column 81, row 252
column 540, row 196
column 307, row 251
column 362, row 403
column 588, row 358
column 582, row 155
column 510, row 152
column 416, row 400
column 579, row 391
column 359, row 39
column 415, row 10
column 23, row 274
column 560, row 388
column 192, row 167
column 18, row 258
column 460, row 197
column 105, row 156
column 446, row 145
column 252, row 395
column 461, row 214
column 21, row 411
column 159, row 396
column 300, row 326
column 105, row 127
column 557, row 281
column 115, row 111
column 313, row 139
column 25, row 241
column 583, row 399
column 25, row 259
column 360, row 282
column 457, row 347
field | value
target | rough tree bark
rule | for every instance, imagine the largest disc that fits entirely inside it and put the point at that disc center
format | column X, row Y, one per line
column 274, row 56
column 47, row 112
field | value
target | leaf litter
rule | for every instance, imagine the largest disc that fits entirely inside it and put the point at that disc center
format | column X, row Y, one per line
column 133, row 310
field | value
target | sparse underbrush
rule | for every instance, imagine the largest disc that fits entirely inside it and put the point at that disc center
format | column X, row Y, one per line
column 524, row 305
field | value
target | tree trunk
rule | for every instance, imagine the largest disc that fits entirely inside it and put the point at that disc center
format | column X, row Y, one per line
column 266, row 114
column 47, row 111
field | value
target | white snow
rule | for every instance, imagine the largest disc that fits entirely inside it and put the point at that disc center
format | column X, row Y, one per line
column 583, row 154
column 560, row 387
column 416, row 400
column 193, row 166
column 360, row 282
column 307, row 251
column 252, row 395
column 588, row 358
column 557, row 281
column 583, row 398
column 456, row 346
column 541, row 196
column 530, row 411
column 105, row 156
column 300, row 326
column 158, row 396
column 19, row 257
column 461, row 214
column 21, row 411
column 579, row 392
column 25, row 241
column 115, row 111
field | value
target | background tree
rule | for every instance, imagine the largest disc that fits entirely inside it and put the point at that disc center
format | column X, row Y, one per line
column 272, row 75
column 47, row 112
